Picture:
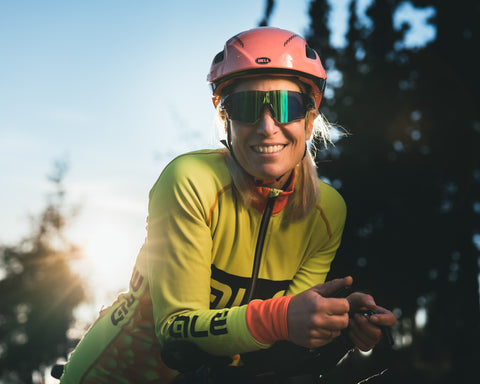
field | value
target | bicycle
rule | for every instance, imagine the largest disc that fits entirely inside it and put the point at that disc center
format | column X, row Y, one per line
column 283, row 363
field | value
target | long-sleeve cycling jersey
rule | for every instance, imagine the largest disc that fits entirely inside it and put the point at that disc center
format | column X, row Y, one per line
column 194, row 273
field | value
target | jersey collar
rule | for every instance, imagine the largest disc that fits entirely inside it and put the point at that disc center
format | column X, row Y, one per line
column 281, row 195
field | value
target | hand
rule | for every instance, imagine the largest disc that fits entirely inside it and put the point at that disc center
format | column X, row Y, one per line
column 364, row 331
column 313, row 318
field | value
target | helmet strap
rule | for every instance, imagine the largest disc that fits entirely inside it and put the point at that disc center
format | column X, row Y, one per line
column 305, row 152
column 228, row 142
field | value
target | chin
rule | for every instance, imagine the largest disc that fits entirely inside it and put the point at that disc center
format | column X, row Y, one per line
column 269, row 175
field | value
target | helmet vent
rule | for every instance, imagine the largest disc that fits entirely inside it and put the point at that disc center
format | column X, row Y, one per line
column 219, row 57
column 239, row 41
column 289, row 39
column 310, row 52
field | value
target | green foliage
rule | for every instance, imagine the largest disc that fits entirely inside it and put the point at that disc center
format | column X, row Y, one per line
column 38, row 291
column 409, row 173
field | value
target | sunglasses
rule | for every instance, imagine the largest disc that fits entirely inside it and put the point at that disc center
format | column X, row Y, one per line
column 286, row 106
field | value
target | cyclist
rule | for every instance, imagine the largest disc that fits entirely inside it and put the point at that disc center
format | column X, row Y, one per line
column 239, row 240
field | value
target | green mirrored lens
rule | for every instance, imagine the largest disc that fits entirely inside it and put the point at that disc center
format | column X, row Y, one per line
column 248, row 106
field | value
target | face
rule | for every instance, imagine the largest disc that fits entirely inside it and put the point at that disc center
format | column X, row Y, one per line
column 269, row 150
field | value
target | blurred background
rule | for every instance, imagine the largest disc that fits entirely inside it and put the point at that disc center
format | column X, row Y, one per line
column 96, row 97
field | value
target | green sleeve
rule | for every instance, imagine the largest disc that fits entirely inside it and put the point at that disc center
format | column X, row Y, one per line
column 179, row 247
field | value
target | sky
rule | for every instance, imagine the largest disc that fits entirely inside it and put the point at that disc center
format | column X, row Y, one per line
column 116, row 89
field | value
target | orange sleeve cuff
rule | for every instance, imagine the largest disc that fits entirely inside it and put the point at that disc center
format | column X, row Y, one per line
column 267, row 319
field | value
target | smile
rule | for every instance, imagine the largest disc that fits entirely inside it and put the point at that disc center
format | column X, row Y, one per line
column 268, row 148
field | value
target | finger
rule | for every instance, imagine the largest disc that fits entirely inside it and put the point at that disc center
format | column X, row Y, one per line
column 363, row 334
column 359, row 300
column 334, row 307
column 331, row 322
column 356, row 337
column 318, row 338
column 357, row 342
column 316, row 343
column 371, row 331
column 335, row 334
column 324, row 333
column 383, row 318
column 329, row 288
column 360, row 344
column 330, row 334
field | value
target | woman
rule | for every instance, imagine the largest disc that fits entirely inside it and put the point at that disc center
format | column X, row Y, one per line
column 239, row 240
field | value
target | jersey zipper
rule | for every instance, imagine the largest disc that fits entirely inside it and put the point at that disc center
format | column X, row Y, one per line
column 267, row 213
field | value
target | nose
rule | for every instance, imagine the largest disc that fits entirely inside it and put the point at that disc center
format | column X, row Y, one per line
column 266, row 125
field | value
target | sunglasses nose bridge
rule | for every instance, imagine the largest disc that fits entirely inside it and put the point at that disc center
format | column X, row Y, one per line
column 267, row 106
column 266, row 124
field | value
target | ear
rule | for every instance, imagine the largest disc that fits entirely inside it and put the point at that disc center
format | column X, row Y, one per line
column 222, row 115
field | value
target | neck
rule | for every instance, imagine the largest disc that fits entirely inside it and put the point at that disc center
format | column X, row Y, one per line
column 279, row 183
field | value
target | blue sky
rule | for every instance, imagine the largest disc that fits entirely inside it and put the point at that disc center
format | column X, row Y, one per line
column 116, row 88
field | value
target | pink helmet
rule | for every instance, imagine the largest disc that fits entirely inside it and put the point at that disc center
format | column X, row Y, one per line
column 267, row 51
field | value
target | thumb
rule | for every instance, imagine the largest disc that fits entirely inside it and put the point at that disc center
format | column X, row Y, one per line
column 329, row 288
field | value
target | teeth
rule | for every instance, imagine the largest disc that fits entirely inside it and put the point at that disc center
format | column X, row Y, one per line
column 267, row 148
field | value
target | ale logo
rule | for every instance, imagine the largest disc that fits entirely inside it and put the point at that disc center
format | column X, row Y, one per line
column 263, row 60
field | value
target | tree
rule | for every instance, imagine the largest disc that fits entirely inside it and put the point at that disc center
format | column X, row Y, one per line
column 38, row 291
column 409, row 172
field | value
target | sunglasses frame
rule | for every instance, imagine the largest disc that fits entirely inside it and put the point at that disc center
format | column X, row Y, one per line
column 267, row 97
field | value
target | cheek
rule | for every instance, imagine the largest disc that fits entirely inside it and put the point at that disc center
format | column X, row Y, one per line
column 298, row 134
column 238, row 132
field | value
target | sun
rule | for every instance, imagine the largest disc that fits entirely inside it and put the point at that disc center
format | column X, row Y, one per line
column 109, row 234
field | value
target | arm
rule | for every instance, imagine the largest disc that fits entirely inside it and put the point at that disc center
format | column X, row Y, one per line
column 324, row 316
column 179, row 247
column 314, row 318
